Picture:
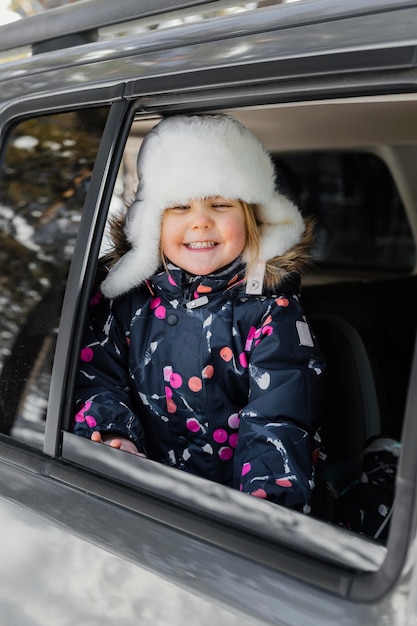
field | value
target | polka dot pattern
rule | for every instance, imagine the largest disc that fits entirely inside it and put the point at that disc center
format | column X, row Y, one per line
column 182, row 358
column 87, row 354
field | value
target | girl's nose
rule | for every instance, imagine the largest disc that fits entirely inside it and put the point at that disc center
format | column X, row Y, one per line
column 202, row 218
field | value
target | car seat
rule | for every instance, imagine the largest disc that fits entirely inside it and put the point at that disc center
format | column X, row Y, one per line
column 351, row 412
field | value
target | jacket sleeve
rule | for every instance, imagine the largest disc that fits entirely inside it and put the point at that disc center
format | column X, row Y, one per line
column 103, row 397
column 274, row 455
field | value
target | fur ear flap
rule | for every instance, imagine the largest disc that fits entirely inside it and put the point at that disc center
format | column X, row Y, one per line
column 282, row 226
column 119, row 279
column 143, row 230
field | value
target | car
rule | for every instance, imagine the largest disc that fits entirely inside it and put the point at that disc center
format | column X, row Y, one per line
column 90, row 534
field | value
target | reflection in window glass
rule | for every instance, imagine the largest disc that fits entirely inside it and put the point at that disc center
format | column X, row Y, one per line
column 361, row 221
column 44, row 179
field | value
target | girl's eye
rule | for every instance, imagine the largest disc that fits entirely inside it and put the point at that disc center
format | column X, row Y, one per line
column 180, row 207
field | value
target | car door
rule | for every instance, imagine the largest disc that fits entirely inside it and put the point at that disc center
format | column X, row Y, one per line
column 133, row 531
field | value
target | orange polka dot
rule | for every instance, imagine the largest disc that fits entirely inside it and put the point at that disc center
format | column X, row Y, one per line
column 282, row 301
column 171, row 406
column 268, row 320
column 226, row 353
column 283, row 482
column 208, row 371
column 259, row 493
column 204, row 289
column 195, row 383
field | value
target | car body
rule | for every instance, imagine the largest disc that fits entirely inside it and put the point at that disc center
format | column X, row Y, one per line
column 94, row 535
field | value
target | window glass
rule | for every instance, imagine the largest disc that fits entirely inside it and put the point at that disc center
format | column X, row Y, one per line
column 44, row 178
column 361, row 221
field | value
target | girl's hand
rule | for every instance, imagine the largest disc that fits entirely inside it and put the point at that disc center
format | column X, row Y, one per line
column 121, row 443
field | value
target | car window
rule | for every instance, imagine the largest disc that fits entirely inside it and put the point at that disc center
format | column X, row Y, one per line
column 337, row 188
column 45, row 173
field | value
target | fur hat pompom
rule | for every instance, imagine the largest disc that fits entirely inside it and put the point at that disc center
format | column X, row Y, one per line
column 192, row 157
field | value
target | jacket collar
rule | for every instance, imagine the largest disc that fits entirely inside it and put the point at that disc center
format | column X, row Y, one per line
column 174, row 282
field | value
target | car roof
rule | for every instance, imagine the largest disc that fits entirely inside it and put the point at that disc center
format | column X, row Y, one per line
column 70, row 20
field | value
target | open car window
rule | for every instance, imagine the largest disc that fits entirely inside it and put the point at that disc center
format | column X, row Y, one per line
column 334, row 187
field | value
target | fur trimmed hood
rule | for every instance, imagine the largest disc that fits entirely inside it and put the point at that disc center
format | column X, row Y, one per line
column 198, row 156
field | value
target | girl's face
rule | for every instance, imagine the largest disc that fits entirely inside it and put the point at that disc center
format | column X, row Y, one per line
column 203, row 236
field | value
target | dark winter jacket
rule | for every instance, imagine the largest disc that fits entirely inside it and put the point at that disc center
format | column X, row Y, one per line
column 207, row 379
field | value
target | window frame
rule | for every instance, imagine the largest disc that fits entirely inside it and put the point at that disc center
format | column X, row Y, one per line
column 82, row 270
column 342, row 577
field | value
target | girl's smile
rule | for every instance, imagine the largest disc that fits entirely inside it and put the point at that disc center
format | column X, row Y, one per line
column 204, row 235
column 201, row 244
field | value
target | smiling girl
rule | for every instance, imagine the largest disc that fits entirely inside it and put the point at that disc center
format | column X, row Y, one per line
column 198, row 353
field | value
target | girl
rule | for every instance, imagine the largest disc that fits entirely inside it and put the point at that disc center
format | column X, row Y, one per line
column 198, row 353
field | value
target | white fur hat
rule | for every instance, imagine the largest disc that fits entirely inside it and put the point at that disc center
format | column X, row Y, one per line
column 198, row 156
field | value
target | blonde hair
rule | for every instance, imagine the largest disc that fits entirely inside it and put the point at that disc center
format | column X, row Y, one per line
column 295, row 259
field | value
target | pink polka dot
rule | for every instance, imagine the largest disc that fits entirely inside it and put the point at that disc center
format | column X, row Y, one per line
column 249, row 338
column 175, row 380
column 283, row 482
column 160, row 312
column 234, row 420
column 225, row 453
column 155, row 302
column 193, row 425
column 233, row 440
column 195, row 383
column 267, row 330
column 246, row 468
column 220, row 435
column 168, row 392
column 243, row 359
column 97, row 297
column 282, row 301
column 251, row 333
column 80, row 415
column 208, row 371
column 87, row 354
column 259, row 493
column 171, row 280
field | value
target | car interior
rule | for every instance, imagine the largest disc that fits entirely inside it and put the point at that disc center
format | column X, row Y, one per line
column 356, row 178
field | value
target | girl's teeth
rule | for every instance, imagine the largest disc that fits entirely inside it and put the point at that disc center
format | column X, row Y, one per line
column 201, row 244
